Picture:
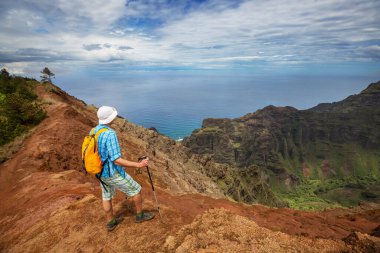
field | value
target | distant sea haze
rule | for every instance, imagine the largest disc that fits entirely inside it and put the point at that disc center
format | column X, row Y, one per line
column 176, row 102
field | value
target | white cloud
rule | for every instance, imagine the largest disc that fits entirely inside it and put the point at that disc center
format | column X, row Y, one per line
column 309, row 28
column 12, row 21
column 101, row 14
column 207, row 35
column 16, row 67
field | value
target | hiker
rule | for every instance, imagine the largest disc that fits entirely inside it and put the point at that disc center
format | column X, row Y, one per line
column 113, row 175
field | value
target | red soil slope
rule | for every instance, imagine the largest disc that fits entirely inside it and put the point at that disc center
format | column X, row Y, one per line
column 48, row 205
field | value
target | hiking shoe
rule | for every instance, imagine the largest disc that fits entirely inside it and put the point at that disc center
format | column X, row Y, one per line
column 113, row 223
column 144, row 217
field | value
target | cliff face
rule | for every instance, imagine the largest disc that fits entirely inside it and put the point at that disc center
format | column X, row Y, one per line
column 286, row 146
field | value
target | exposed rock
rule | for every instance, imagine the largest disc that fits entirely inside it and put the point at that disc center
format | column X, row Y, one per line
column 376, row 231
column 363, row 243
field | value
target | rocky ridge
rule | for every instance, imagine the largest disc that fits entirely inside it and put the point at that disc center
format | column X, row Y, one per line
column 284, row 147
column 49, row 205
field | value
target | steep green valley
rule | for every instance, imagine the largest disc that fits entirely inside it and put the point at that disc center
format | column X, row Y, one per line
column 322, row 157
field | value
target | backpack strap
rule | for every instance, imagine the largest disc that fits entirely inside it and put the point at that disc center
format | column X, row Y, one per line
column 101, row 181
column 96, row 136
column 104, row 129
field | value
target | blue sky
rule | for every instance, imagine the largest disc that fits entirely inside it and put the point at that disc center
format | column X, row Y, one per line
column 261, row 36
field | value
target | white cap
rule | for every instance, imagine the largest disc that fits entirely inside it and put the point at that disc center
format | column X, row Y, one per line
column 106, row 114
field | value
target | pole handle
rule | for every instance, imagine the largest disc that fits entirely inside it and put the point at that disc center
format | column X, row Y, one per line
column 142, row 158
column 147, row 168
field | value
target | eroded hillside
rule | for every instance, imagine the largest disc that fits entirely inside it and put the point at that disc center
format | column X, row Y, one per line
column 49, row 205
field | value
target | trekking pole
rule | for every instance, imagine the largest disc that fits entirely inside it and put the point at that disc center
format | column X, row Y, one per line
column 151, row 183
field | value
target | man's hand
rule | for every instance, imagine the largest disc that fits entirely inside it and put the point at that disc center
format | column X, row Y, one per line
column 144, row 162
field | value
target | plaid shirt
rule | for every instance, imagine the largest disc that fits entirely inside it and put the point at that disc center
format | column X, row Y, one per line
column 108, row 148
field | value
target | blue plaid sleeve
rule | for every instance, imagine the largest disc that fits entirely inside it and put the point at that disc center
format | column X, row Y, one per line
column 112, row 146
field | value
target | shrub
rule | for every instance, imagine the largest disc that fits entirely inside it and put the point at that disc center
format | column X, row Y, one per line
column 19, row 108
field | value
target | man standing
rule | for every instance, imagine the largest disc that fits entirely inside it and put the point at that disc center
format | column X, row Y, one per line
column 113, row 175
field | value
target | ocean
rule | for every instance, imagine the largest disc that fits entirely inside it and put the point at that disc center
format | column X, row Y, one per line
column 176, row 102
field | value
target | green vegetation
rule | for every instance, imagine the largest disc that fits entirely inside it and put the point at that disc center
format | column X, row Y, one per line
column 316, row 194
column 336, row 175
column 19, row 108
column 304, row 198
column 210, row 130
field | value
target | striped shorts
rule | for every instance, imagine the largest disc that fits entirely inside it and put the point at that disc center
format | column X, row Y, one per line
column 127, row 185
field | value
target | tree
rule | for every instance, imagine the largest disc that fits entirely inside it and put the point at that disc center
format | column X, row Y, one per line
column 4, row 73
column 46, row 75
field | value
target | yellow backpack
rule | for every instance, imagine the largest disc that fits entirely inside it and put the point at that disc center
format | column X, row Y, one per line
column 91, row 161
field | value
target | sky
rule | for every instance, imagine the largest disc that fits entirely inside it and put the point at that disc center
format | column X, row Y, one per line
column 111, row 37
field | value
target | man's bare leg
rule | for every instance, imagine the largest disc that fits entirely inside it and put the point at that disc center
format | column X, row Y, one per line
column 138, row 202
column 107, row 206
column 140, row 215
column 112, row 222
